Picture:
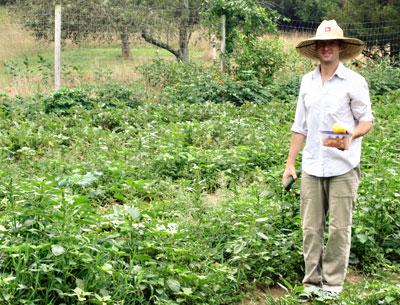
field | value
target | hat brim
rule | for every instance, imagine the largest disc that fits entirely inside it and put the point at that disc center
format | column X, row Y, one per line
column 352, row 47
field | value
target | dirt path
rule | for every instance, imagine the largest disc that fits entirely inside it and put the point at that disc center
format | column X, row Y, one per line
column 260, row 294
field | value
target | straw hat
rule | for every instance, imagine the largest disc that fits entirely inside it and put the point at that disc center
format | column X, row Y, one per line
column 329, row 30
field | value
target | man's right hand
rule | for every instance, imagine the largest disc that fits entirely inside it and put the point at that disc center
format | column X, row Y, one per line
column 290, row 170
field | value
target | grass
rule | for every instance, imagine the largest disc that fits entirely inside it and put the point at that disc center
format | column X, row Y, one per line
column 80, row 65
column 22, row 72
column 15, row 40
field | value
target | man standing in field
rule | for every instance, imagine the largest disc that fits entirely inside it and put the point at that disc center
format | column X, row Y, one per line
column 331, row 95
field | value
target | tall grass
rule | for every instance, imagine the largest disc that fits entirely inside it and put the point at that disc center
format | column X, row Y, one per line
column 27, row 64
column 15, row 41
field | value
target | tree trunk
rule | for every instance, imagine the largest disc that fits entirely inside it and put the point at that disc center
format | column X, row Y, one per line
column 184, row 32
column 184, row 43
column 147, row 37
column 125, row 47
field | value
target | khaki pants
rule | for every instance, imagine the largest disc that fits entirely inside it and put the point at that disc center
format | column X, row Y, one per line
column 320, row 198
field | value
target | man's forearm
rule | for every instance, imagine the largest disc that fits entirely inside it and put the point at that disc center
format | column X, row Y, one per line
column 361, row 129
column 296, row 144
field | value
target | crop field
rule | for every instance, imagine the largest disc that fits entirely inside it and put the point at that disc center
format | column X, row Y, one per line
column 152, row 182
column 110, row 200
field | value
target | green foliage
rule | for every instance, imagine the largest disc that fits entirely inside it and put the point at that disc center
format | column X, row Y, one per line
column 382, row 14
column 378, row 198
column 162, row 73
column 382, row 77
column 172, row 203
column 65, row 100
column 285, row 90
column 244, row 17
column 374, row 292
column 308, row 10
column 195, row 84
column 259, row 59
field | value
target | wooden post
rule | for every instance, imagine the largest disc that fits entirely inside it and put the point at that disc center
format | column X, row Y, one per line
column 214, row 52
column 57, row 47
column 223, row 41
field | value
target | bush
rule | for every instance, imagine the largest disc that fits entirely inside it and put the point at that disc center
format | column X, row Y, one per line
column 65, row 100
column 195, row 84
column 259, row 59
column 218, row 88
column 382, row 77
column 161, row 73
column 285, row 90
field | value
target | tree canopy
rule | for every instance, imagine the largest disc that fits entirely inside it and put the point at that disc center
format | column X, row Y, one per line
column 376, row 22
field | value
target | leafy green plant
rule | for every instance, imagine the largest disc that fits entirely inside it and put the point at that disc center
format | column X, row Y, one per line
column 259, row 59
column 382, row 77
column 119, row 201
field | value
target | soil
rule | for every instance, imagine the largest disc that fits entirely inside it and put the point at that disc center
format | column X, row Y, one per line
column 258, row 296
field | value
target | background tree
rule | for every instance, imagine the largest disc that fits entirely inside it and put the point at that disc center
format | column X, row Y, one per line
column 83, row 19
column 376, row 22
column 105, row 18
column 244, row 17
column 175, row 18
column 304, row 10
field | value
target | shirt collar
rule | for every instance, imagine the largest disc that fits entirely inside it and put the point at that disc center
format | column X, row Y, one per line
column 340, row 72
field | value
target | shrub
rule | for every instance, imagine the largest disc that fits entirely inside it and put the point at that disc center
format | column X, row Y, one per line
column 216, row 87
column 259, row 59
column 194, row 84
column 162, row 73
column 64, row 100
column 381, row 76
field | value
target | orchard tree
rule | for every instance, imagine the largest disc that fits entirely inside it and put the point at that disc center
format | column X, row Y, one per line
column 80, row 18
column 376, row 22
column 174, row 18
column 242, row 16
column 103, row 18
column 125, row 17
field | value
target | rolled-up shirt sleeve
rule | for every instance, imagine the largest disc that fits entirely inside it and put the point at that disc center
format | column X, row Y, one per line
column 299, row 124
column 361, row 103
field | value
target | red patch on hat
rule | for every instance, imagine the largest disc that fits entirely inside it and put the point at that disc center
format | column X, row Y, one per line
column 327, row 29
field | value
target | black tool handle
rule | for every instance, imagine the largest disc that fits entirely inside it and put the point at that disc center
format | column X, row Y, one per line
column 289, row 182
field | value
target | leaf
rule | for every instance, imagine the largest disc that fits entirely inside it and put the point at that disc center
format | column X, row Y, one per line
column 87, row 180
column 108, row 268
column 238, row 248
column 174, row 285
column 264, row 219
column 57, row 250
column 362, row 238
column 187, row 291
column 262, row 235
column 134, row 213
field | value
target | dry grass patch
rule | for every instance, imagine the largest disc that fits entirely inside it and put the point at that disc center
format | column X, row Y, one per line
column 16, row 41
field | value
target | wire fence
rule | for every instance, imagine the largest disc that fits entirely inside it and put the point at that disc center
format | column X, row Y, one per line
column 380, row 38
column 93, row 42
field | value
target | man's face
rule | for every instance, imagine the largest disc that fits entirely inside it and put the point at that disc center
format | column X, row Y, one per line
column 328, row 50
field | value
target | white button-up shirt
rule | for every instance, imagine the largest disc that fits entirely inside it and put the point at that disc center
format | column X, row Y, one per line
column 344, row 99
